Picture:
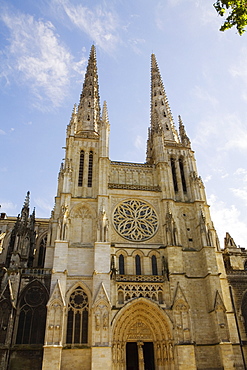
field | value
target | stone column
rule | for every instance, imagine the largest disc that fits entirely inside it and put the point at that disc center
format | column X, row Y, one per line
column 140, row 356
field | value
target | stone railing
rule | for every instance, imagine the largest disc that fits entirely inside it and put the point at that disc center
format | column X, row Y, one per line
column 139, row 278
column 35, row 271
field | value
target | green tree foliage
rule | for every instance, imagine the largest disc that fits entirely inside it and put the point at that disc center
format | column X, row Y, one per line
column 236, row 12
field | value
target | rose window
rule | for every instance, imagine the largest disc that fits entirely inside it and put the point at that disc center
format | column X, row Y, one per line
column 135, row 220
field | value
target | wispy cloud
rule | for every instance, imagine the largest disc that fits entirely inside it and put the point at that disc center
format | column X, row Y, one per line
column 228, row 129
column 7, row 206
column 240, row 70
column 36, row 57
column 44, row 205
column 99, row 22
column 228, row 219
column 241, row 190
column 2, row 132
column 140, row 143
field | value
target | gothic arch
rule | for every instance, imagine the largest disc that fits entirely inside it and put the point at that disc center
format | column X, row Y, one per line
column 160, row 324
column 31, row 314
column 121, row 251
column 78, row 308
column 41, row 250
column 142, row 321
column 82, row 223
column 84, row 287
column 244, row 309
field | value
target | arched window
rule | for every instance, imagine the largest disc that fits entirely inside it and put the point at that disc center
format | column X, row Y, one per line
column 90, row 170
column 42, row 250
column 120, row 297
column 77, row 324
column 244, row 311
column 154, row 266
column 181, row 166
column 32, row 315
column 174, row 176
column 138, row 264
column 121, row 264
column 245, row 265
column 81, row 168
column 5, row 309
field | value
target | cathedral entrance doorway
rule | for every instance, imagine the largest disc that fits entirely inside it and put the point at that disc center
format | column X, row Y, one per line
column 142, row 338
column 140, row 356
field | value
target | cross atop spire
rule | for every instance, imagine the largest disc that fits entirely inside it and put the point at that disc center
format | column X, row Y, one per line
column 161, row 117
column 89, row 106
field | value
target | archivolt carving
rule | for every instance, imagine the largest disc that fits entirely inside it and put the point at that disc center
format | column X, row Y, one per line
column 145, row 311
column 141, row 321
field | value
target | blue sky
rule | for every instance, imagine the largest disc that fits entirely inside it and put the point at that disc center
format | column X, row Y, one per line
column 44, row 50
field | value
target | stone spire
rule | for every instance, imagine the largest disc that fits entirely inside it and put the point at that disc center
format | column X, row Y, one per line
column 89, row 106
column 25, row 208
column 105, row 113
column 182, row 133
column 161, row 117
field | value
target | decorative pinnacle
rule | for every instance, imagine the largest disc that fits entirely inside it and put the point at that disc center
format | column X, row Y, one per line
column 27, row 200
column 105, row 113
column 183, row 136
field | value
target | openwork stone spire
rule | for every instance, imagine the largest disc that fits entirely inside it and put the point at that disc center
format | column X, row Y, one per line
column 161, row 117
column 89, row 106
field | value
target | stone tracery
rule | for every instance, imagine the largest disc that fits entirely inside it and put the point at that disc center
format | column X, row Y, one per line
column 135, row 220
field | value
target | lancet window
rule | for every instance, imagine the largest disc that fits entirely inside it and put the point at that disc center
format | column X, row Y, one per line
column 32, row 315
column 174, row 175
column 42, row 250
column 121, row 264
column 90, row 170
column 81, row 168
column 154, row 265
column 5, row 310
column 138, row 264
column 181, row 166
column 77, row 324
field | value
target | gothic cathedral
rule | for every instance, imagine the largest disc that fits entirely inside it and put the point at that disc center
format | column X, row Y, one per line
column 127, row 274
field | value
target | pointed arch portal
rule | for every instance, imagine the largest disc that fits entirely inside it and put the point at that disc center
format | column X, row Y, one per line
column 142, row 338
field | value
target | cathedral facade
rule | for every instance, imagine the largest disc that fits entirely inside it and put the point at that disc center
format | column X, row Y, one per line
column 127, row 274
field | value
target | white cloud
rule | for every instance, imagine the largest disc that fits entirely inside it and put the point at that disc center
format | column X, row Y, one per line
column 208, row 178
column 44, row 205
column 228, row 219
column 240, row 193
column 2, row 132
column 36, row 57
column 240, row 70
column 140, row 142
column 7, row 207
column 213, row 127
column 100, row 23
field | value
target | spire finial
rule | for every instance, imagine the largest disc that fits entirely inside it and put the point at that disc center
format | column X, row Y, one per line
column 183, row 136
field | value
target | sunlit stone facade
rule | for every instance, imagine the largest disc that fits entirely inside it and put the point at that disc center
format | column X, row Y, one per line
column 128, row 272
